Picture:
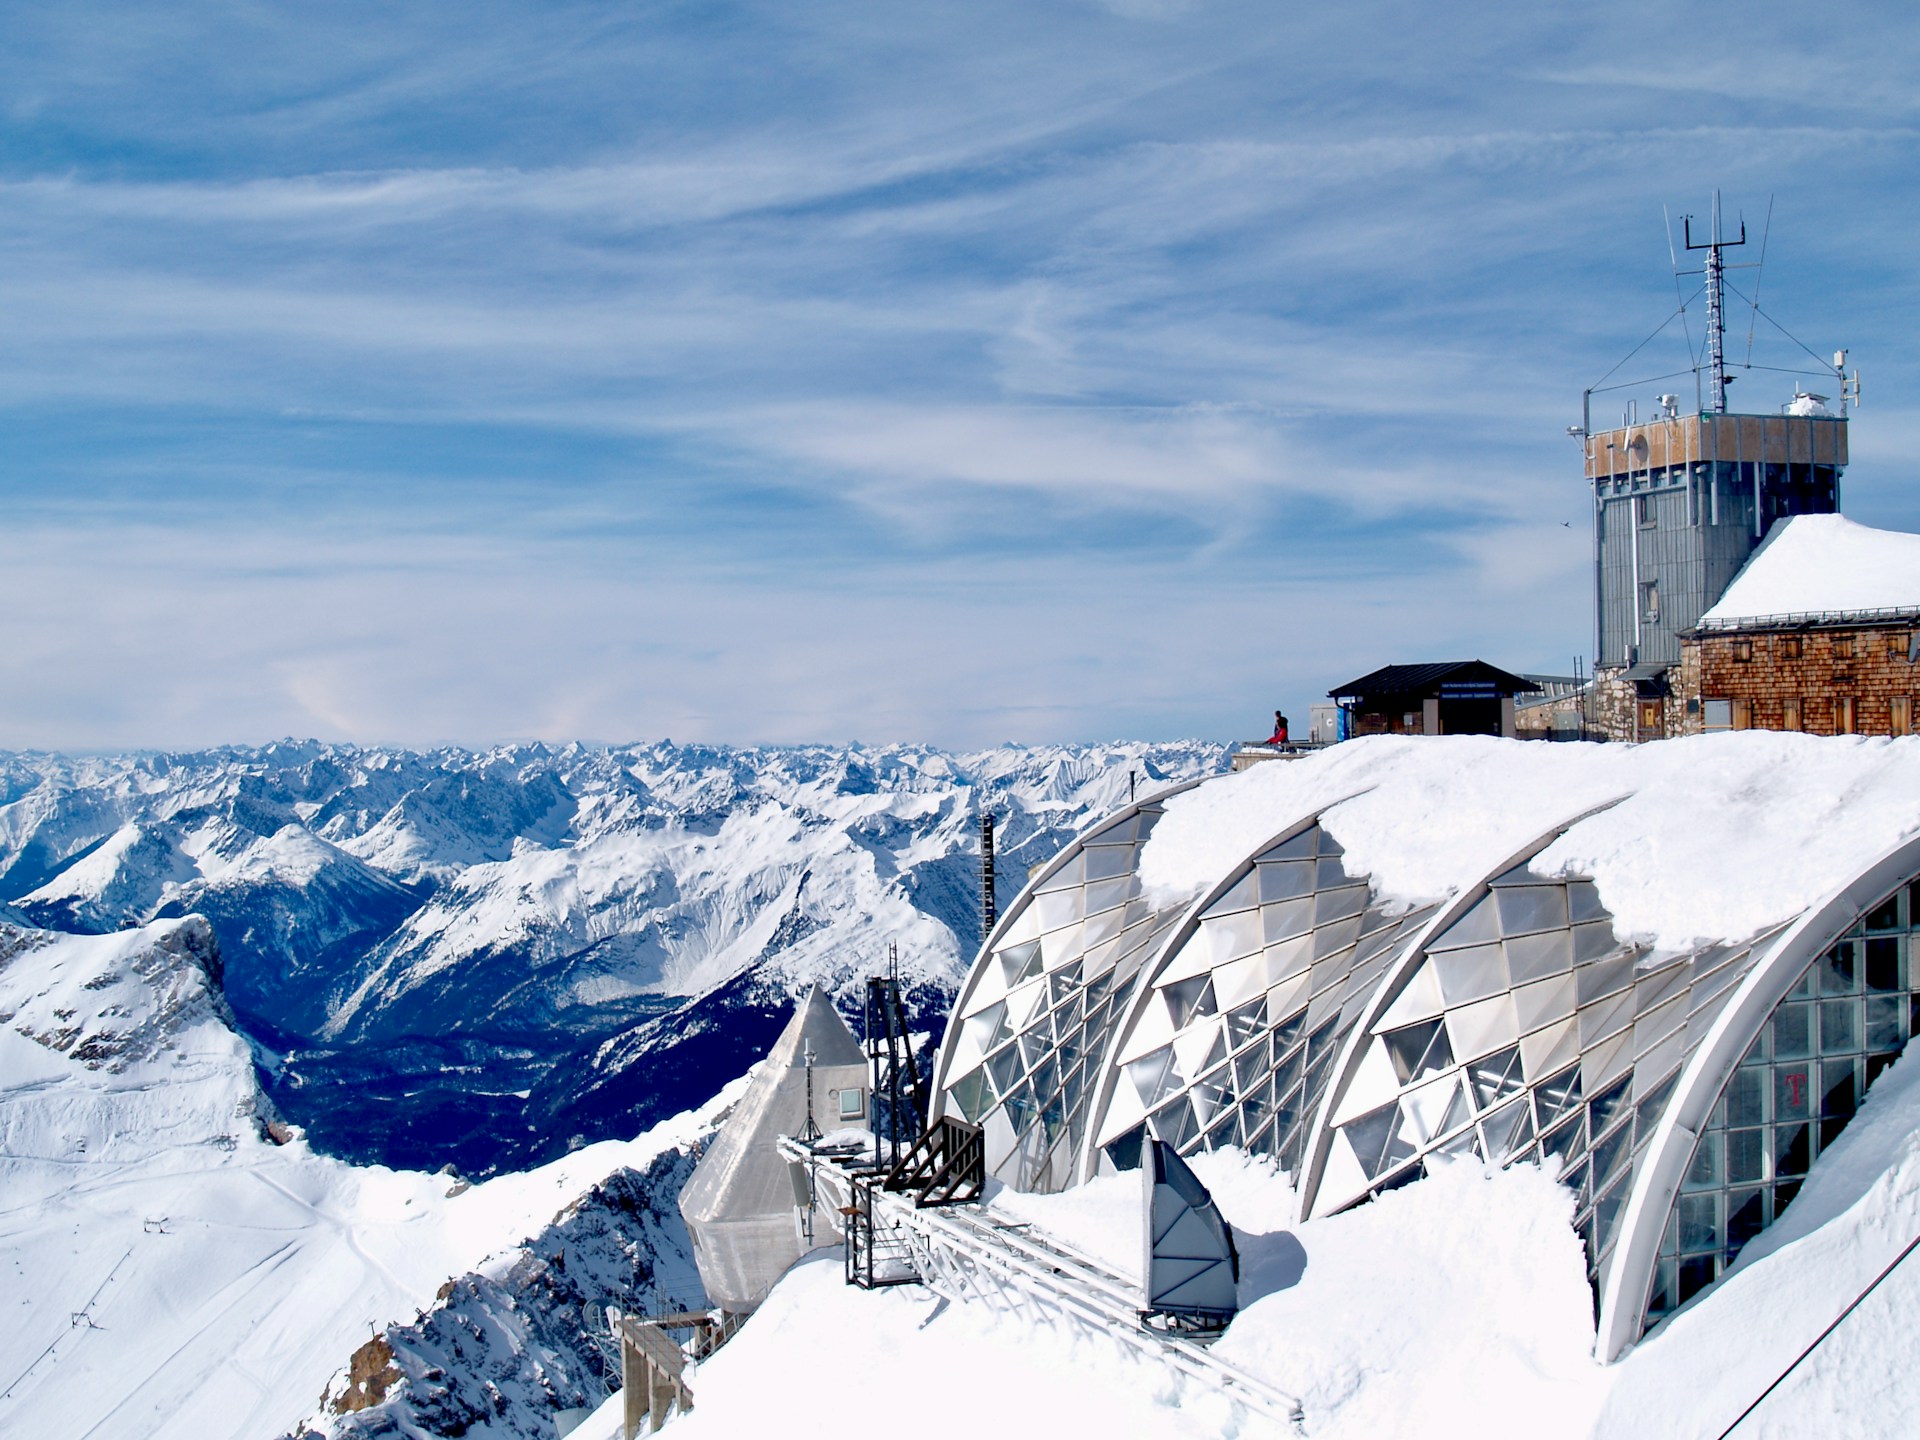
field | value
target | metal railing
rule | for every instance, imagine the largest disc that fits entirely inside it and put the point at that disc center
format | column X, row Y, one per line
column 966, row 1254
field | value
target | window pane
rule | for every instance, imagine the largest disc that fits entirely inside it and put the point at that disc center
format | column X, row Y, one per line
column 1792, row 1032
column 1886, row 1023
column 1883, row 965
column 1792, row 1092
column 1705, row 1171
column 1746, row 1098
column 1699, row 1222
column 1838, row 1091
column 1745, row 1218
column 1746, row 1156
column 1792, row 1149
column 1839, row 1025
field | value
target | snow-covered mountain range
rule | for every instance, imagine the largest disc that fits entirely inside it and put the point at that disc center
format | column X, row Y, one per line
column 180, row 1262
column 482, row 958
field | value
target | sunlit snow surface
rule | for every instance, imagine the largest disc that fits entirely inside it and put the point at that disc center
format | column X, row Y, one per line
column 1709, row 838
column 165, row 1271
column 1820, row 564
column 1455, row 1307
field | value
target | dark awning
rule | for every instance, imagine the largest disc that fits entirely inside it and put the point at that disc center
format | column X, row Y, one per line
column 1444, row 680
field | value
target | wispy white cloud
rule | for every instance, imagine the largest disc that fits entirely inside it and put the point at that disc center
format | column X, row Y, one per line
column 762, row 372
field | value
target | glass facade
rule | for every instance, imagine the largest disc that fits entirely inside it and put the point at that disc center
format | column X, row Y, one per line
column 1239, row 1030
column 1035, row 1027
column 1843, row 1022
column 1527, row 1032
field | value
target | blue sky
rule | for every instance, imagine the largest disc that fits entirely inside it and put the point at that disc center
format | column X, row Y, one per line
column 752, row 373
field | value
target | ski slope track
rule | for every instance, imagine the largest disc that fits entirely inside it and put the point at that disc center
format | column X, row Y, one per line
column 171, row 1271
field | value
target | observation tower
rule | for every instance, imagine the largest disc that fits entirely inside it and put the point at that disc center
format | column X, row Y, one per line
column 1682, row 497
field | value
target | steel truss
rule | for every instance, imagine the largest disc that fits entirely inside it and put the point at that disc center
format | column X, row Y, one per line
column 962, row 1252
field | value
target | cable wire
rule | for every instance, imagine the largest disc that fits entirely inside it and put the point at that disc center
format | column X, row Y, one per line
column 1646, row 342
column 1912, row 1245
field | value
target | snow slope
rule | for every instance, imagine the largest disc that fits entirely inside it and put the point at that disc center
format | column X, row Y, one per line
column 169, row 1270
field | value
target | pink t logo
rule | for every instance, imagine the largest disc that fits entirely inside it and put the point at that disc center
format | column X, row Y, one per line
column 1797, row 1090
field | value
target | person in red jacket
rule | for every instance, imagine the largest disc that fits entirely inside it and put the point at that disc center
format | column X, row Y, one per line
column 1279, row 736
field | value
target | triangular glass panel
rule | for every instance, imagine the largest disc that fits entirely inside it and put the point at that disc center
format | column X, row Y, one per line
column 1567, row 1139
column 1020, row 962
column 1457, row 1114
column 1225, row 1132
column 1288, row 880
column 1479, row 926
column 1610, row 1154
column 1175, row 1124
column 1556, row 1093
column 1502, row 1127
column 988, row 1028
column 971, row 1095
column 1243, row 896
column 1249, row 1068
column 1246, row 1021
column 1154, row 1077
column 1300, row 847
column 1583, row 902
column 1370, row 1135
column 1495, row 1077
column 1285, row 1032
column 1189, row 999
column 1606, row 1106
column 1418, row 1050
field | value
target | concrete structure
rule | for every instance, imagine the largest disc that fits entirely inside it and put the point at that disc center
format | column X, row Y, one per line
column 1291, row 1010
column 1452, row 697
column 739, row 1202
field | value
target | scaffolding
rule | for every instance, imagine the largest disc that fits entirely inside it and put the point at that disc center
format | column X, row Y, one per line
column 899, row 1097
column 653, row 1365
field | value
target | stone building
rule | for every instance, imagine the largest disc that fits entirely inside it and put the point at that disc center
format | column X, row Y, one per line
column 1680, row 503
column 1820, row 632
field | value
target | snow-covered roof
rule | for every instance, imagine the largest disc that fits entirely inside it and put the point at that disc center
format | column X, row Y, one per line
column 1824, row 566
column 1404, row 949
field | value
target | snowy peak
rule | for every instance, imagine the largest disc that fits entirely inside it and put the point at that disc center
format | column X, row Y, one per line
column 391, row 920
column 113, row 1002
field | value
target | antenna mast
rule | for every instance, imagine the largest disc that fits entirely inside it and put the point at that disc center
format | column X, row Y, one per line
column 1716, row 307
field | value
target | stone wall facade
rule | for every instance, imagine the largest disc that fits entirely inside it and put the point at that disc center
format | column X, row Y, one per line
column 1621, row 712
column 1833, row 679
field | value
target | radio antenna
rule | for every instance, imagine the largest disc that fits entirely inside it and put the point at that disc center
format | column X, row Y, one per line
column 1714, row 244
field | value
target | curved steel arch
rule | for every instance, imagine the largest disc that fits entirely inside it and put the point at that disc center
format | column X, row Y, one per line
column 1388, row 990
column 1010, row 916
column 1031, row 1090
column 1623, row 1298
column 1171, row 944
